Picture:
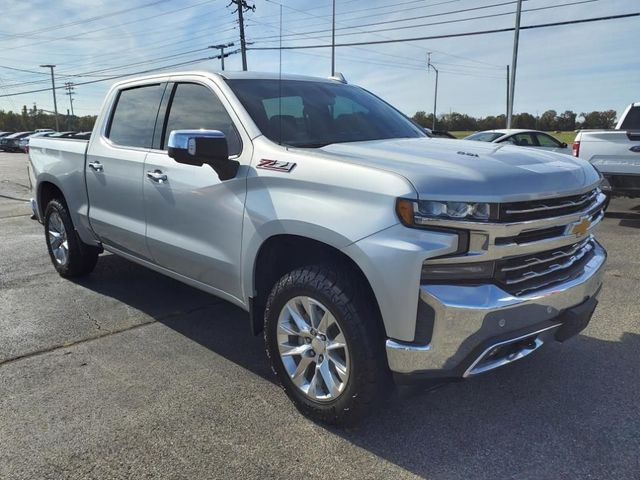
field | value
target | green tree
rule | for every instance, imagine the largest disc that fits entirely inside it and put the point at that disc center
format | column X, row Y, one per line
column 605, row 119
column 547, row 121
column 524, row 120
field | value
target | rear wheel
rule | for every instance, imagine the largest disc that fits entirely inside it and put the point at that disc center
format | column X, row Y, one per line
column 323, row 340
column 70, row 256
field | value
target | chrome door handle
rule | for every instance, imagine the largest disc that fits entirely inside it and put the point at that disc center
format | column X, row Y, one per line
column 96, row 166
column 157, row 176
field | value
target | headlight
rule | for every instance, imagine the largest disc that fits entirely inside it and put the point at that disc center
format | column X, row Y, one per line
column 418, row 212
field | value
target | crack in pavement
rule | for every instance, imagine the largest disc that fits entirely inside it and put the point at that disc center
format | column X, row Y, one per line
column 106, row 333
column 14, row 198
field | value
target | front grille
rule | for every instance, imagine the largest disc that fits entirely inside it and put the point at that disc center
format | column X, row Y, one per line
column 522, row 274
column 533, row 235
column 550, row 207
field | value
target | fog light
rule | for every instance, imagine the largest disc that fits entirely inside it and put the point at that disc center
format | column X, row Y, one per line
column 458, row 272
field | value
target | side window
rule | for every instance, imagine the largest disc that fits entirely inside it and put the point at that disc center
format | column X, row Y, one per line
column 547, row 141
column 522, row 139
column 134, row 117
column 195, row 107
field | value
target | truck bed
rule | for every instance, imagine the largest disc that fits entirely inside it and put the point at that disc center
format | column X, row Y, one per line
column 61, row 161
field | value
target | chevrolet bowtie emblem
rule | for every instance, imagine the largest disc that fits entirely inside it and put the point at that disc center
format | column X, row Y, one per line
column 581, row 227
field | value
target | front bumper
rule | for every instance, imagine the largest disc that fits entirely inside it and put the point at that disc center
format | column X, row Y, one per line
column 468, row 322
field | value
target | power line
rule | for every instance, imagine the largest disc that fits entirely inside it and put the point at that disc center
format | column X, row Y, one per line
column 452, row 12
column 76, row 35
column 135, row 64
column 455, row 35
column 188, row 62
column 445, row 22
column 81, row 22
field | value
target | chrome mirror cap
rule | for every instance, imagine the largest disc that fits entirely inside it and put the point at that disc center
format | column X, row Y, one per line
column 185, row 139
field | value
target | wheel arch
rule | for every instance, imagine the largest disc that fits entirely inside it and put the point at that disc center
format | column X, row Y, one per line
column 282, row 253
column 46, row 191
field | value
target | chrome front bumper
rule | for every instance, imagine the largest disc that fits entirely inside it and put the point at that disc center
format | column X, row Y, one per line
column 467, row 317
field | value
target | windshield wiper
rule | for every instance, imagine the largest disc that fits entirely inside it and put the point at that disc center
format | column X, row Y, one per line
column 310, row 144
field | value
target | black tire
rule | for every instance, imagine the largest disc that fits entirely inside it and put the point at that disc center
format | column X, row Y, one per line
column 81, row 258
column 342, row 294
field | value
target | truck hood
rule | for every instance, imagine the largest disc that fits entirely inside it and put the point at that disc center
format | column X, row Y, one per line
column 443, row 169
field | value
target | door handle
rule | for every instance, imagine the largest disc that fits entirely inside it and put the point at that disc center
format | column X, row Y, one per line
column 157, row 176
column 96, row 166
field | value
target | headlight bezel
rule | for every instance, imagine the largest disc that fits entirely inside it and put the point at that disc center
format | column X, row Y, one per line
column 425, row 213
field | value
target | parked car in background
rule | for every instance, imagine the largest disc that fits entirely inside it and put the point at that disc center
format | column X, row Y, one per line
column 10, row 142
column 63, row 134
column 81, row 135
column 41, row 130
column 521, row 138
column 23, row 143
column 5, row 134
column 615, row 153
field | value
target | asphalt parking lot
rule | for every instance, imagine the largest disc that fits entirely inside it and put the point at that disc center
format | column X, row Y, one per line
column 128, row 374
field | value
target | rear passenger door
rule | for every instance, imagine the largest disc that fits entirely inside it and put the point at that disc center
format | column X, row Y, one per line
column 115, row 165
column 194, row 220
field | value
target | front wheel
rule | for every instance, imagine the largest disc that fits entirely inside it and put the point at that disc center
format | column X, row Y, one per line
column 324, row 343
column 70, row 256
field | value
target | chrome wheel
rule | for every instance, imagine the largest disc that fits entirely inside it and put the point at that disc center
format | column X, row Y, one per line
column 58, row 238
column 313, row 349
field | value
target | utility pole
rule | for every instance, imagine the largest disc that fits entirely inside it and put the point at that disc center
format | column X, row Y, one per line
column 69, row 87
column 507, row 116
column 221, row 47
column 435, row 94
column 514, row 62
column 53, row 89
column 333, row 40
column 241, row 7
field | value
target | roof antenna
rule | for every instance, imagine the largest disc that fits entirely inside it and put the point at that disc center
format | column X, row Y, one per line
column 280, row 84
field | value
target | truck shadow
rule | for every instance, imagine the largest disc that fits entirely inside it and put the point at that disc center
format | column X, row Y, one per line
column 570, row 412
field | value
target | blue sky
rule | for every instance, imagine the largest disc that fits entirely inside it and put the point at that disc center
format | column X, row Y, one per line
column 584, row 67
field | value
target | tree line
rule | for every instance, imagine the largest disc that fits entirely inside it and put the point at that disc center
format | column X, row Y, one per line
column 34, row 118
column 548, row 121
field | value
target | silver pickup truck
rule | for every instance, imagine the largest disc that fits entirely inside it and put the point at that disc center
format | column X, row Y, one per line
column 365, row 250
column 615, row 153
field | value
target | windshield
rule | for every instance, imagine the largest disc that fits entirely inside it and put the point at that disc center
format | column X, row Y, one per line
column 484, row 136
column 313, row 114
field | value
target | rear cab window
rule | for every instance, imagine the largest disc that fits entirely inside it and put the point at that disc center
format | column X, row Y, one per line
column 632, row 120
column 134, row 116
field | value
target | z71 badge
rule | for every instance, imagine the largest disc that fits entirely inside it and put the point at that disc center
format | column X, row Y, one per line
column 276, row 165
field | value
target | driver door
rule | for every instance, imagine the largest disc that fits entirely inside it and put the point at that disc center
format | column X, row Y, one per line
column 194, row 220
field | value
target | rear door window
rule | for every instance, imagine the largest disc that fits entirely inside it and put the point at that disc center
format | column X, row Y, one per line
column 521, row 139
column 134, row 116
column 547, row 141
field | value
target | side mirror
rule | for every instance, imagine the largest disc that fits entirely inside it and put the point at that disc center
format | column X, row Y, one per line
column 563, row 145
column 199, row 147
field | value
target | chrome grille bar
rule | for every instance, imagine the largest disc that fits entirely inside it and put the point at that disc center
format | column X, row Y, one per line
column 530, row 275
column 531, row 261
column 565, row 204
